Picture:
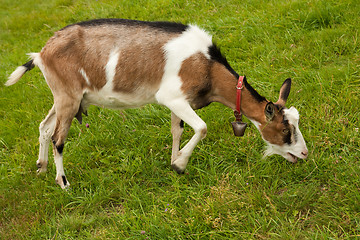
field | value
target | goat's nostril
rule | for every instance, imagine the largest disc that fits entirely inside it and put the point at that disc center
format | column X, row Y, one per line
column 304, row 153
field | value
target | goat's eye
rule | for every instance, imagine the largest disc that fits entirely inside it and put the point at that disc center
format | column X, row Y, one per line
column 285, row 131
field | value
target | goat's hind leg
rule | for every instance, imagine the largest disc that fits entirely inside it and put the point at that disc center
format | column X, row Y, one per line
column 46, row 130
column 66, row 111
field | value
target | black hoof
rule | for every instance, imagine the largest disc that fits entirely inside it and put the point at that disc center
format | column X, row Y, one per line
column 64, row 180
column 177, row 169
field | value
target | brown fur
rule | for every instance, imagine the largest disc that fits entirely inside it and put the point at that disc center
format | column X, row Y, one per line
column 223, row 85
column 77, row 47
column 224, row 91
column 135, row 69
column 273, row 130
column 196, row 79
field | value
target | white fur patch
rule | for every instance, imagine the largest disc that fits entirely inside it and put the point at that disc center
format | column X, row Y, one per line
column 192, row 41
column 292, row 115
column 83, row 73
column 110, row 68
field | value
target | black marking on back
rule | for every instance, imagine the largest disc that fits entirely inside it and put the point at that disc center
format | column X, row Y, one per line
column 64, row 180
column 253, row 92
column 171, row 27
column 181, row 124
column 217, row 56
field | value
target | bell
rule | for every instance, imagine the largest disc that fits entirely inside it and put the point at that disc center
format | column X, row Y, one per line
column 239, row 128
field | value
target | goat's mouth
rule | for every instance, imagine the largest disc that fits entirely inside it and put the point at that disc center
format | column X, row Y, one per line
column 292, row 158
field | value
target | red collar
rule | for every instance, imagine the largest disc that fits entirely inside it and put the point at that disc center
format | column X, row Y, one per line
column 239, row 87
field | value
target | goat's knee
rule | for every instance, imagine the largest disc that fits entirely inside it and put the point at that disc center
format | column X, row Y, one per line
column 203, row 132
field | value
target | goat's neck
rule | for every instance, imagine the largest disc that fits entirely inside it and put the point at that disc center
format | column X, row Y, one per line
column 224, row 91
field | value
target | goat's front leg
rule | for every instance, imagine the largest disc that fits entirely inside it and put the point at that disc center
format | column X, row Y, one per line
column 183, row 110
column 177, row 128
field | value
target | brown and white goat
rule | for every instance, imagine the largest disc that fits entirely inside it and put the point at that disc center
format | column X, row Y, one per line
column 119, row 64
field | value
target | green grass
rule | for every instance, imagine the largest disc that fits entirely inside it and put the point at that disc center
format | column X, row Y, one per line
column 119, row 167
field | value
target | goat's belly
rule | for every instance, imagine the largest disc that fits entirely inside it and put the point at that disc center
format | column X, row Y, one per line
column 117, row 100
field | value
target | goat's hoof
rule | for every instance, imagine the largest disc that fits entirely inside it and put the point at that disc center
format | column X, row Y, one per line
column 41, row 167
column 41, row 170
column 62, row 181
column 177, row 169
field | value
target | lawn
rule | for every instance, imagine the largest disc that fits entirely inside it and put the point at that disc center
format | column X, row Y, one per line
column 122, row 185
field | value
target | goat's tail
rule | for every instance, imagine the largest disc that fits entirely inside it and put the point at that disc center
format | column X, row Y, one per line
column 19, row 72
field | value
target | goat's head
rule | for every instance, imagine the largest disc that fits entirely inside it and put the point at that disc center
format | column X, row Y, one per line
column 280, row 130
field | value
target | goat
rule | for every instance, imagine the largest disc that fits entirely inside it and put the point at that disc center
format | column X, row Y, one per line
column 119, row 64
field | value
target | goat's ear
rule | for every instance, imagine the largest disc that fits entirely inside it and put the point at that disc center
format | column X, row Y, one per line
column 269, row 111
column 284, row 92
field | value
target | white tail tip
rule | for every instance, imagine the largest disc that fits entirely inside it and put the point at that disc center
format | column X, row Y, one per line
column 16, row 75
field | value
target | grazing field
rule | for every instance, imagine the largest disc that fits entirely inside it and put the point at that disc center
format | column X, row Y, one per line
column 122, row 185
